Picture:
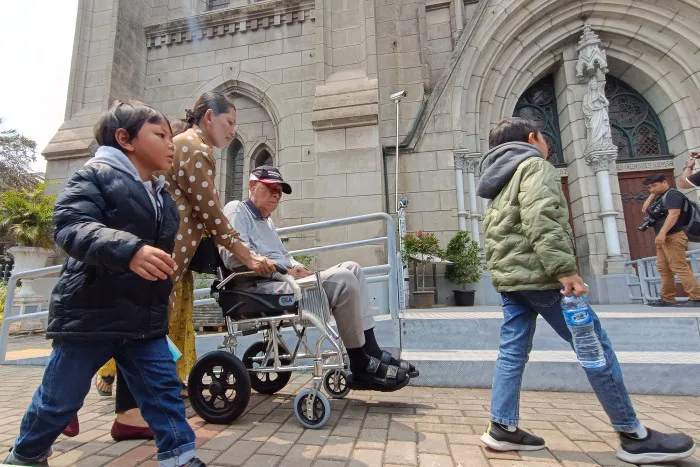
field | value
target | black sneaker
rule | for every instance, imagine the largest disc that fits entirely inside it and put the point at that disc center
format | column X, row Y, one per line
column 661, row 303
column 500, row 439
column 196, row 463
column 691, row 303
column 656, row 447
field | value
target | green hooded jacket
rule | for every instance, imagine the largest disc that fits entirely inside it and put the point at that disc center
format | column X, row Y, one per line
column 529, row 244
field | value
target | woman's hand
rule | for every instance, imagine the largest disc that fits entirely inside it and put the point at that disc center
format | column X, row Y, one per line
column 261, row 265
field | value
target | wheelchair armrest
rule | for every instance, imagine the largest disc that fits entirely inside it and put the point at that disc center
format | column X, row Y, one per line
column 281, row 274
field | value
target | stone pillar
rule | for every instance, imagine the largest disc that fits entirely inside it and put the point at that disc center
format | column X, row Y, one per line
column 459, row 19
column 467, row 162
column 472, row 167
column 600, row 150
column 460, row 159
column 345, row 119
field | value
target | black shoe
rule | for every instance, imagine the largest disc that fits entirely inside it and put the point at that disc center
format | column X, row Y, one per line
column 500, row 439
column 661, row 303
column 691, row 303
column 196, row 463
column 656, row 447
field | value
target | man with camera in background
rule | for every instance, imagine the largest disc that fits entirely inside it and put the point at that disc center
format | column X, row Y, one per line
column 667, row 211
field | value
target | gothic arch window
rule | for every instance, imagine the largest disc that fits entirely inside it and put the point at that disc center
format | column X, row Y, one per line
column 234, row 171
column 539, row 103
column 261, row 156
column 636, row 128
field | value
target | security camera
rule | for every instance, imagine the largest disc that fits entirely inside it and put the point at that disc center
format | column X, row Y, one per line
column 398, row 96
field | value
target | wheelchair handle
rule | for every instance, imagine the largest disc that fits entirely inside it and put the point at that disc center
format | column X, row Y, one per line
column 281, row 269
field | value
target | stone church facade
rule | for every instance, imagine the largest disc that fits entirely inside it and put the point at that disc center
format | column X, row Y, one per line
column 312, row 80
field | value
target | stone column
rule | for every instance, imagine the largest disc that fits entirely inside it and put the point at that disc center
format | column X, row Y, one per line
column 600, row 150
column 460, row 159
column 471, row 165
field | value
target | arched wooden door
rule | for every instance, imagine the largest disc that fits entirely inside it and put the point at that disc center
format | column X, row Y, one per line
column 634, row 193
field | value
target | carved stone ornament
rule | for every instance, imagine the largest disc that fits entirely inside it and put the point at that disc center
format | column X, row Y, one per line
column 601, row 157
column 459, row 159
column 471, row 163
column 590, row 57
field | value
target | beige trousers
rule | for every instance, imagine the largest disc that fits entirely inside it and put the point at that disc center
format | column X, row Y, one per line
column 348, row 297
column 670, row 260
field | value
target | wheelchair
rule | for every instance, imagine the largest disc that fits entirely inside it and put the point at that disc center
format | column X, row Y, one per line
column 220, row 383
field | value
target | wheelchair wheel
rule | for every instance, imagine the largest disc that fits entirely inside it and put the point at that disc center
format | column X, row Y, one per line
column 263, row 382
column 320, row 413
column 335, row 382
column 219, row 387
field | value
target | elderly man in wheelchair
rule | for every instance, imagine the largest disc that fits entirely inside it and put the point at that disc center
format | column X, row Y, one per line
column 344, row 285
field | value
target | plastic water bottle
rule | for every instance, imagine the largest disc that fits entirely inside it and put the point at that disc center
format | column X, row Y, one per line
column 580, row 322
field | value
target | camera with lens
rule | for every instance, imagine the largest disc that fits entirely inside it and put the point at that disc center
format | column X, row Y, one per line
column 654, row 213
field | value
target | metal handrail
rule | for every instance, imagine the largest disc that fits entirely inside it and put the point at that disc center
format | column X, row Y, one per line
column 8, row 316
column 390, row 268
column 646, row 272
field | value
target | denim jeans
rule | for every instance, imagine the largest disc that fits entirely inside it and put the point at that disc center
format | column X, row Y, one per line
column 149, row 370
column 520, row 310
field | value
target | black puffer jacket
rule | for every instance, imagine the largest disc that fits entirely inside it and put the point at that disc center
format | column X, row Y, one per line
column 102, row 218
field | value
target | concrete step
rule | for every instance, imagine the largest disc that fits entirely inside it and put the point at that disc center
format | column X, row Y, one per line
column 659, row 350
column 668, row 373
column 630, row 329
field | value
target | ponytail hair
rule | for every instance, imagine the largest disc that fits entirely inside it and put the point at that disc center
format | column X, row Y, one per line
column 217, row 102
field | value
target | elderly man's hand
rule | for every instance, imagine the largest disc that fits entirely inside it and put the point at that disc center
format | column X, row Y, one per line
column 299, row 272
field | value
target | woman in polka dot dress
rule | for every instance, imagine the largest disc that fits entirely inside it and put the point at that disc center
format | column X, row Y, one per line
column 191, row 183
column 191, row 180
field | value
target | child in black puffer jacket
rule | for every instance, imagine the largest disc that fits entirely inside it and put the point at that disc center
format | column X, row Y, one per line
column 117, row 223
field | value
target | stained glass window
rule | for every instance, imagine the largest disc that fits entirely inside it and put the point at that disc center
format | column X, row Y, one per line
column 636, row 129
column 539, row 103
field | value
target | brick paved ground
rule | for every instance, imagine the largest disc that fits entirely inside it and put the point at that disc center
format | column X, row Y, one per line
column 412, row 427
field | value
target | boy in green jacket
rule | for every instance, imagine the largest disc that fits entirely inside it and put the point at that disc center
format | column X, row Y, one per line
column 530, row 253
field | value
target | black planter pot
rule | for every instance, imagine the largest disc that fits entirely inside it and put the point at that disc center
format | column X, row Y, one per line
column 464, row 297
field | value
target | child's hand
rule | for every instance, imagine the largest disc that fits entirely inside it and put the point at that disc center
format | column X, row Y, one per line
column 152, row 263
column 573, row 284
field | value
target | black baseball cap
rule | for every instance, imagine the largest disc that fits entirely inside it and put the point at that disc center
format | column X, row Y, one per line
column 268, row 174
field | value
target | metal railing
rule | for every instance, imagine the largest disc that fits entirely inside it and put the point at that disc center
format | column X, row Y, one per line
column 643, row 280
column 382, row 273
column 9, row 316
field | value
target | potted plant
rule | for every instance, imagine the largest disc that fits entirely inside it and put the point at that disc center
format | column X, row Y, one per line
column 466, row 267
column 421, row 248
column 26, row 217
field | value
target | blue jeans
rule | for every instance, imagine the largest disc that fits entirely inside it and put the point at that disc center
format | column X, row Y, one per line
column 149, row 371
column 520, row 310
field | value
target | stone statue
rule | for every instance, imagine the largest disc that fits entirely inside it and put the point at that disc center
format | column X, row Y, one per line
column 595, row 108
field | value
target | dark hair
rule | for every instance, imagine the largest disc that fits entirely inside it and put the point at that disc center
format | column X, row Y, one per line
column 658, row 178
column 512, row 129
column 130, row 116
column 178, row 126
column 217, row 102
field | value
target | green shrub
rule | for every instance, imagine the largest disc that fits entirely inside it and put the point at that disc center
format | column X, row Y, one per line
column 466, row 263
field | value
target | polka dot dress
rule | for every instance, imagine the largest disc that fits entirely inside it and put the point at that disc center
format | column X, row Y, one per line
column 191, row 180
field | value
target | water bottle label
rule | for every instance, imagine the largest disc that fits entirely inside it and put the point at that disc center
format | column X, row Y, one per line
column 593, row 364
column 577, row 316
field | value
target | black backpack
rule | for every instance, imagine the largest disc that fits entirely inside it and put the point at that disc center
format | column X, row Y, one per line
column 692, row 211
